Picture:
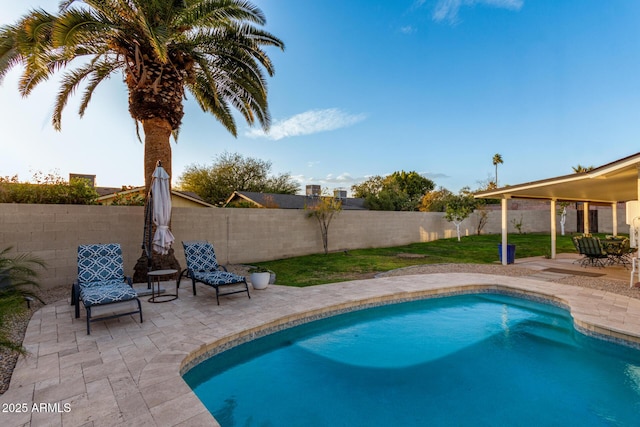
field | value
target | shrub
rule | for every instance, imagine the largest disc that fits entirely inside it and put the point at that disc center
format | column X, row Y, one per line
column 47, row 189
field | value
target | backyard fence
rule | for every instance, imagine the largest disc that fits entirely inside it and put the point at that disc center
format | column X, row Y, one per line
column 53, row 232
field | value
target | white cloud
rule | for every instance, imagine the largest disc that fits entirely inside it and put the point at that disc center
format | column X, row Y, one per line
column 331, row 181
column 343, row 179
column 448, row 9
column 307, row 123
column 407, row 29
column 435, row 176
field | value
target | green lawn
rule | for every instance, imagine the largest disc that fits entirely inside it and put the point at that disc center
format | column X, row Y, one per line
column 361, row 263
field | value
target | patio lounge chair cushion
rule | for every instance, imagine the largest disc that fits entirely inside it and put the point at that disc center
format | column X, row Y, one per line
column 100, row 263
column 101, row 280
column 217, row 277
column 200, row 256
column 203, row 267
column 106, row 292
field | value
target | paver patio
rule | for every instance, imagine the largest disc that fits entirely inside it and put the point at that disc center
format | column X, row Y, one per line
column 128, row 374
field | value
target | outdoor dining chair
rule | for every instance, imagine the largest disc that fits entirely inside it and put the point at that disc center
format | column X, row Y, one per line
column 101, row 281
column 593, row 251
column 619, row 250
column 203, row 267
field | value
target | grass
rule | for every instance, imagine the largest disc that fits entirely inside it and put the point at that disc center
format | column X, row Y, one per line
column 318, row 269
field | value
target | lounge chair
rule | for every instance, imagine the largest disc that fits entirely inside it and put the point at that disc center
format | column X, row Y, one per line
column 203, row 267
column 101, row 281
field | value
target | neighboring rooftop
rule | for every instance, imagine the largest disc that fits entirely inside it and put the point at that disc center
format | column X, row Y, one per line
column 288, row 201
column 179, row 198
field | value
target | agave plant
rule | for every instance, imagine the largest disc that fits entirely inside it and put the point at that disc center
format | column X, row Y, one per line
column 18, row 279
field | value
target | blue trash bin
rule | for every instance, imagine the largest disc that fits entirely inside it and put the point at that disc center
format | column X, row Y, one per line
column 511, row 253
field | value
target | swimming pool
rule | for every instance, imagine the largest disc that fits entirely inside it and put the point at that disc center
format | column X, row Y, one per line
column 482, row 359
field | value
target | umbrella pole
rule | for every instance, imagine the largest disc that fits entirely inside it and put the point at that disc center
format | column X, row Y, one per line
column 148, row 234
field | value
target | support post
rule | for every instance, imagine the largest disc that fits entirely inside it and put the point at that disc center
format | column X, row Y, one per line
column 504, row 202
column 637, row 214
column 553, row 228
column 614, row 214
column 585, row 217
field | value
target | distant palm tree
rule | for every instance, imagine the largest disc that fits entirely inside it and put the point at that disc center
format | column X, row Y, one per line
column 212, row 48
column 18, row 276
column 497, row 159
column 579, row 168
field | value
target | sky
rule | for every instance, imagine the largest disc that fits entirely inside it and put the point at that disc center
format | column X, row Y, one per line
column 370, row 87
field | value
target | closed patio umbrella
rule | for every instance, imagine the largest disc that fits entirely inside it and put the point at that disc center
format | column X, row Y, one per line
column 161, row 208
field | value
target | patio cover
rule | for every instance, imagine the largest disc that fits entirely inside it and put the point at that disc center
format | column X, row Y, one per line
column 618, row 181
column 611, row 183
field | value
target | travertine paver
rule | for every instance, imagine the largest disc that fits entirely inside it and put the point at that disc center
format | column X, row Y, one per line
column 128, row 374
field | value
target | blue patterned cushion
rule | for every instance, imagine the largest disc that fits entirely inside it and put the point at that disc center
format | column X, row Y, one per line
column 217, row 277
column 200, row 256
column 106, row 292
column 98, row 263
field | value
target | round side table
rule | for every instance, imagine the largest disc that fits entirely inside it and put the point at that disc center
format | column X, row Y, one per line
column 154, row 280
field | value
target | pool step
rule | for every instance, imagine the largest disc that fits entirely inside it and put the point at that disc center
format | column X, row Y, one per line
column 557, row 334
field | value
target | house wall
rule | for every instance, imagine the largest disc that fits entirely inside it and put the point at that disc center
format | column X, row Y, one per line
column 176, row 201
column 181, row 202
column 53, row 232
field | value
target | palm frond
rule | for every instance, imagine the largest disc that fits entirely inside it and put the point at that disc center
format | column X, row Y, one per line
column 77, row 28
column 101, row 71
column 205, row 93
column 69, row 83
column 27, row 43
column 213, row 48
column 212, row 13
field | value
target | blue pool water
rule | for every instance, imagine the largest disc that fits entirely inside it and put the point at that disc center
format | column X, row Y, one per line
column 470, row 360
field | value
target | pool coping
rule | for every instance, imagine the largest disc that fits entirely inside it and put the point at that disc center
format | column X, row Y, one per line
column 127, row 373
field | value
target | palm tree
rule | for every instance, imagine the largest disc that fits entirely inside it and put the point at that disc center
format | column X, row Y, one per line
column 579, row 168
column 18, row 277
column 212, row 48
column 497, row 159
column 163, row 48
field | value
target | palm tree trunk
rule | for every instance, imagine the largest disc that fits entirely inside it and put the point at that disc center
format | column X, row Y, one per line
column 157, row 134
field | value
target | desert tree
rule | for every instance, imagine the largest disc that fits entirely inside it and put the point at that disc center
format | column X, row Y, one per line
column 323, row 209
column 459, row 207
column 234, row 172
column 399, row 191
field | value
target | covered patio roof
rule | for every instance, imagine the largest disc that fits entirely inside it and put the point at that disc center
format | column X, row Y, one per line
column 614, row 182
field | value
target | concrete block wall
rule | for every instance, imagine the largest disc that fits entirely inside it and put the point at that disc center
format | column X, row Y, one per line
column 53, row 232
column 605, row 220
column 251, row 235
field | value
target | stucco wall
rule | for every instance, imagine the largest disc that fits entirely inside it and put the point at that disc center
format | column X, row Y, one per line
column 53, row 232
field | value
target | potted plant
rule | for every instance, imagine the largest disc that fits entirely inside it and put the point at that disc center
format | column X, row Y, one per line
column 259, row 277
